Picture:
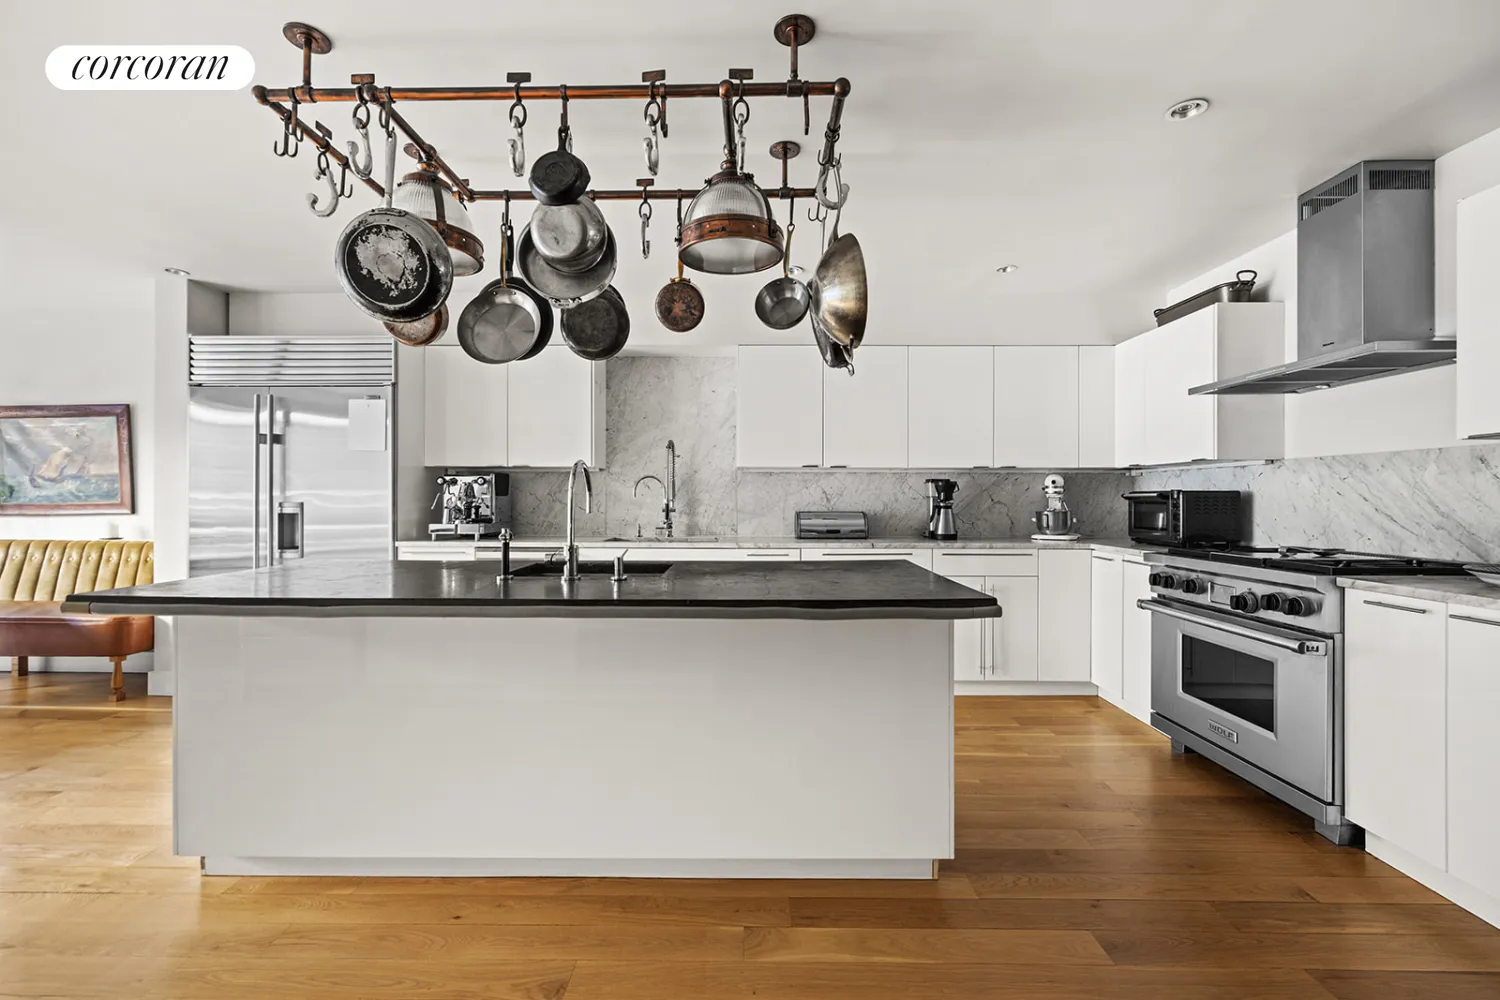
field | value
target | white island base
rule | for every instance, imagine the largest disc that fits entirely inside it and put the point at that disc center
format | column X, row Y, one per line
column 416, row 746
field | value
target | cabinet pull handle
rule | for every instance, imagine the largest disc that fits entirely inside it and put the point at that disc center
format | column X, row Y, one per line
column 1026, row 552
column 1396, row 607
column 1476, row 621
column 864, row 552
column 1106, row 558
column 767, row 555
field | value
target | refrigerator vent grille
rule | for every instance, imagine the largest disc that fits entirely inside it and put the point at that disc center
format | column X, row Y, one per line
column 1330, row 196
column 232, row 360
column 1419, row 179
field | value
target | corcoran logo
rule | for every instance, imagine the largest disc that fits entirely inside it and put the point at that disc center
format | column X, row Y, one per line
column 150, row 67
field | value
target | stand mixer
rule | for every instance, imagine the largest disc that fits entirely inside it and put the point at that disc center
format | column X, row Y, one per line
column 1056, row 522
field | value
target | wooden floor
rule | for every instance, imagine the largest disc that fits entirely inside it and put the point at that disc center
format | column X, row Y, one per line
column 1092, row 864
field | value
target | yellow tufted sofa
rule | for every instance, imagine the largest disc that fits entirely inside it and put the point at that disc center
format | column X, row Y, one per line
column 35, row 577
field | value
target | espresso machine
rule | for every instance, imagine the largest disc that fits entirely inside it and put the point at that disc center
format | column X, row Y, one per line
column 1055, row 522
column 474, row 505
column 940, row 523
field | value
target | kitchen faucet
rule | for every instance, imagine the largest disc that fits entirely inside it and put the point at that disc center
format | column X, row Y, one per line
column 570, row 550
column 668, row 492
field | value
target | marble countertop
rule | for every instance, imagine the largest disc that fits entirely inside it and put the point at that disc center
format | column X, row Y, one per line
column 789, row 542
column 1466, row 590
column 331, row 588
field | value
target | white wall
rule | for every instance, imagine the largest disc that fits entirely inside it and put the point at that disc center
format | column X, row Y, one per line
column 1394, row 414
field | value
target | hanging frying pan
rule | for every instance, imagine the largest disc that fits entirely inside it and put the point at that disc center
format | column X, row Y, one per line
column 558, row 177
column 597, row 329
column 392, row 264
column 421, row 332
column 679, row 304
column 506, row 321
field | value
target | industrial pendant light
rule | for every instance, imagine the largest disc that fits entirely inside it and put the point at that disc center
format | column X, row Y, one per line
column 426, row 195
column 729, row 228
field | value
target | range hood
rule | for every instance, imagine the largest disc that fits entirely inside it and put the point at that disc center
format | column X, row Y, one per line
column 1364, row 283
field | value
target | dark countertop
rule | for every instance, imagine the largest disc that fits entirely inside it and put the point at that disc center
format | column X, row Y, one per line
column 332, row 588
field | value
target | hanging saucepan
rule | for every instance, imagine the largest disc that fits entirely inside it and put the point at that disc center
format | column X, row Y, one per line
column 679, row 304
column 421, row 332
column 564, row 289
column 558, row 177
column 392, row 264
column 597, row 329
column 783, row 301
column 570, row 237
column 506, row 321
column 838, row 289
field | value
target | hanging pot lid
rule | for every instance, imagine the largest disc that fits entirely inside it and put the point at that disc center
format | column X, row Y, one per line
column 425, row 194
column 729, row 228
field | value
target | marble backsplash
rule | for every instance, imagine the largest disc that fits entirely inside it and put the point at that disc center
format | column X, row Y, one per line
column 691, row 401
column 1440, row 503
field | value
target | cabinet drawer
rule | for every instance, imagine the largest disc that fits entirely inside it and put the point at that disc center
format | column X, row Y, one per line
column 984, row 562
column 435, row 552
column 922, row 557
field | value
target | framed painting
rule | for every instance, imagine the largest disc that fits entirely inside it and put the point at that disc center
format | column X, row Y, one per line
column 65, row 460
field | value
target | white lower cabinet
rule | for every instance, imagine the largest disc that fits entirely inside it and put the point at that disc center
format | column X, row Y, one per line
column 1135, row 639
column 1395, row 721
column 1063, row 597
column 971, row 639
column 1014, row 646
column 1107, row 587
column 1473, row 755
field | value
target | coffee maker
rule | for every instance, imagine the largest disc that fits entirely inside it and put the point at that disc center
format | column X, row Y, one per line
column 474, row 505
column 940, row 523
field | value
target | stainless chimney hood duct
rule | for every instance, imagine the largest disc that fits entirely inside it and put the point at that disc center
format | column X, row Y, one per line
column 1364, row 283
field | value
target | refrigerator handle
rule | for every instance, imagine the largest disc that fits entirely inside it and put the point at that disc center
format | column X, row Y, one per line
column 271, row 552
column 255, row 493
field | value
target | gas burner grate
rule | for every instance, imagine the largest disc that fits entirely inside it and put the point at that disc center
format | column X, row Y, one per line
column 1328, row 562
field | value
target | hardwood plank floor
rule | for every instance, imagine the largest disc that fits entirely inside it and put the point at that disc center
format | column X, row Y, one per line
column 1091, row 863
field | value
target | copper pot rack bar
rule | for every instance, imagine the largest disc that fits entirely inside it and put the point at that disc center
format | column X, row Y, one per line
column 322, row 144
column 636, row 194
column 609, row 92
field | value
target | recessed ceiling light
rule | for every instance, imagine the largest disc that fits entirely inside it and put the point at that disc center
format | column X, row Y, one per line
column 178, row 271
column 1190, row 108
column 1008, row 268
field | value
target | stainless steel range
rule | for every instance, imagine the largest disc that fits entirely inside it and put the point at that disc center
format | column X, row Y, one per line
column 1247, row 665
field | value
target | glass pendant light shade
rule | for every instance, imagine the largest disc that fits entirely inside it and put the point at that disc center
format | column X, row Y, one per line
column 728, row 228
column 427, row 196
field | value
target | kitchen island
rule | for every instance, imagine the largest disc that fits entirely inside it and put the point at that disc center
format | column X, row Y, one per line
column 696, row 720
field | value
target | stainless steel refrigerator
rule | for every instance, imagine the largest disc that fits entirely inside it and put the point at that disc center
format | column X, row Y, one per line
column 290, row 450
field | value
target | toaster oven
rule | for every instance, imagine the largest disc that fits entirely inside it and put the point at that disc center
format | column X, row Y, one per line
column 1186, row 518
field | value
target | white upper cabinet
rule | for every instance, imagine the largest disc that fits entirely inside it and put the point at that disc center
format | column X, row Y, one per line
column 780, row 407
column 1096, row 407
column 556, row 409
column 950, row 405
column 1159, row 423
column 466, row 414
column 1478, row 315
column 1130, row 402
column 1036, row 407
column 864, row 415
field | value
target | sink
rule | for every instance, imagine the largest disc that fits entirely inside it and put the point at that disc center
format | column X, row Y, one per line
column 594, row 568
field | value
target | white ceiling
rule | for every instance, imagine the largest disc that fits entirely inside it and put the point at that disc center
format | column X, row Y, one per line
column 1039, row 138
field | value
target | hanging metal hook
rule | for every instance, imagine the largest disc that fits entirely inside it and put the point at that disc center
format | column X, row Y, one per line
column 653, row 139
column 291, row 135
column 346, row 189
column 741, row 113
column 364, row 164
column 564, row 132
column 645, row 213
column 385, row 112
column 518, row 118
column 830, row 172
column 325, row 173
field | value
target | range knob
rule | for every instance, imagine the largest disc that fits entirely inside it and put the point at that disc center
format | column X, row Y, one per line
column 1192, row 586
column 1165, row 581
column 1296, row 607
column 1244, row 601
column 1272, row 602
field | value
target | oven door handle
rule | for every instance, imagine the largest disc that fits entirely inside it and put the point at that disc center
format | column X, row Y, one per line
column 1304, row 647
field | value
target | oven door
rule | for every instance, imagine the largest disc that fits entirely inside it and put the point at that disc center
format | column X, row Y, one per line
column 1262, row 693
column 1150, row 517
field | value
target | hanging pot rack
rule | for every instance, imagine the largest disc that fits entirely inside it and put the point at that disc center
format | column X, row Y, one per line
column 793, row 31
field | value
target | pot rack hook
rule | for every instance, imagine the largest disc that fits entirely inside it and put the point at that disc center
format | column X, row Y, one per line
column 564, row 132
column 518, row 117
column 740, row 112
column 645, row 214
column 324, row 173
column 655, row 116
column 830, row 173
column 291, row 135
column 362, row 164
